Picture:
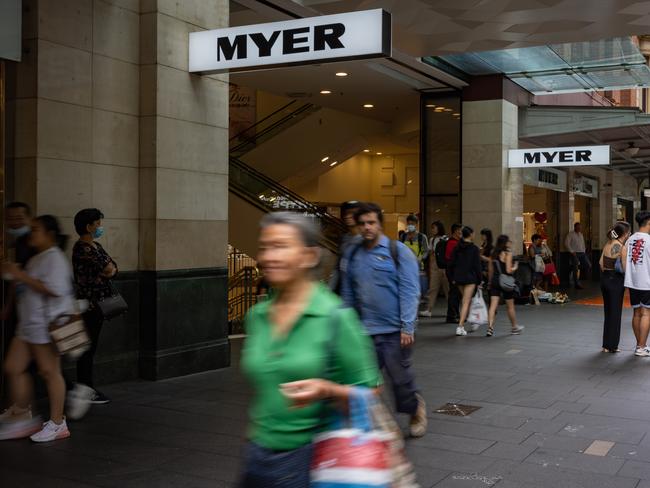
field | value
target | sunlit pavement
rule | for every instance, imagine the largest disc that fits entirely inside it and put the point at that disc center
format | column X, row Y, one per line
column 555, row 412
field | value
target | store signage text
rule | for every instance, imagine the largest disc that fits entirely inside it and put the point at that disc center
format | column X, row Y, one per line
column 338, row 37
column 559, row 156
column 549, row 178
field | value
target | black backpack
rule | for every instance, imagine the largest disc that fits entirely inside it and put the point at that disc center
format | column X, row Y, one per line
column 440, row 251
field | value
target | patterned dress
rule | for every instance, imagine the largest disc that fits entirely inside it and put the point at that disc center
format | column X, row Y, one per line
column 88, row 263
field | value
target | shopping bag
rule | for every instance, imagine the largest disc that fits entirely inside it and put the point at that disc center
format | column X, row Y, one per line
column 478, row 313
column 549, row 269
column 555, row 280
column 352, row 456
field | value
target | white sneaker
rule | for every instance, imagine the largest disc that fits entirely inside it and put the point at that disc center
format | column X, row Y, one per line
column 517, row 330
column 425, row 313
column 473, row 327
column 460, row 331
column 52, row 432
column 642, row 352
column 16, row 423
column 79, row 401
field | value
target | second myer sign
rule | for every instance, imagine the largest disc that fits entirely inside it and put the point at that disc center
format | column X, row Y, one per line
column 352, row 35
column 559, row 156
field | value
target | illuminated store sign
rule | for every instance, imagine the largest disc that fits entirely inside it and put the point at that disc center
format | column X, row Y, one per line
column 327, row 38
column 559, row 156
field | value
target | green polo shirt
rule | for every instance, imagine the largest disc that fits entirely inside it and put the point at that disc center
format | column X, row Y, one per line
column 301, row 354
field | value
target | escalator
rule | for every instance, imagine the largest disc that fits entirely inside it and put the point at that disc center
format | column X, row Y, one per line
column 266, row 194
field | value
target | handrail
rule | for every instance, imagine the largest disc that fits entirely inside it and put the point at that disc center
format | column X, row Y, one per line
column 236, row 136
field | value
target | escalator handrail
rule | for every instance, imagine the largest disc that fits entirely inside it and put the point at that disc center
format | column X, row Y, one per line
column 284, row 107
column 281, row 190
column 279, row 123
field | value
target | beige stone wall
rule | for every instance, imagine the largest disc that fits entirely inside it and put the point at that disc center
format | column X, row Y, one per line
column 183, row 141
column 492, row 194
column 107, row 116
column 77, row 108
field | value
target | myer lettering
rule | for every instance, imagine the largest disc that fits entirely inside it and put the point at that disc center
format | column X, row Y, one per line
column 337, row 37
column 559, row 156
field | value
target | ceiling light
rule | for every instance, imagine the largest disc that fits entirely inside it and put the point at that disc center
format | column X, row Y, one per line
column 368, row 105
column 430, row 105
column 439, row 109
column 324, row 159
column 456, row 114
column 448, row 110
column 334, row 163
column 379, row 154
column 366, row 150
column 341, row 74
column 325, row 92
column 409, row 182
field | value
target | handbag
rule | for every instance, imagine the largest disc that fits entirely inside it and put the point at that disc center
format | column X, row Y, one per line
column 69, row 335
column 112, row 306
column 353, row 456
column 506, row 282
column 549, row 269
column 555, row 280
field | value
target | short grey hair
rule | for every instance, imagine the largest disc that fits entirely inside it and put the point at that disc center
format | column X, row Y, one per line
column 307, row 229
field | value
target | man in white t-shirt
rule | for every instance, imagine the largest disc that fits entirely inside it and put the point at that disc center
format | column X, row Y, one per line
column 636, row 259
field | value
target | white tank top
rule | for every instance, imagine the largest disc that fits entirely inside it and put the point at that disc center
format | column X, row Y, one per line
column 637, row 272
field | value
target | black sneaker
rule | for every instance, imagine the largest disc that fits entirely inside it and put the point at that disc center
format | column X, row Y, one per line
column 99, row 398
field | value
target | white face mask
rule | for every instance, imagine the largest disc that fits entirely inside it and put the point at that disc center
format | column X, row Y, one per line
column 410, row 228
column 19, row 232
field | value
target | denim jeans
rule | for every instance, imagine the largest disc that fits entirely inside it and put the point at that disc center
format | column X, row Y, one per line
column 396, row 361
column 276, row 469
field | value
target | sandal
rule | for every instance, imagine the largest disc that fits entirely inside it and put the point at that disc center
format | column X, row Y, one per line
column 489, row 332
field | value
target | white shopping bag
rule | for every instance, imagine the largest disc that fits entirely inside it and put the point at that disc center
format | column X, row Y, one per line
column 478, row 312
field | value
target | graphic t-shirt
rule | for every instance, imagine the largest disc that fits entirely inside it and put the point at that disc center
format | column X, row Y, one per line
column 637, row 271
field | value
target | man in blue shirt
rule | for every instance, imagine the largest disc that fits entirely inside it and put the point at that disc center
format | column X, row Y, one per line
column 380, row 279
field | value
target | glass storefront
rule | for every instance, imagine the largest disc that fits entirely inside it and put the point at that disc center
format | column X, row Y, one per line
column 440, row 167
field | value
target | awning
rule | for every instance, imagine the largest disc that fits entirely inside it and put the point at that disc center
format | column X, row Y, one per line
column 608, row 64
column 626, row 130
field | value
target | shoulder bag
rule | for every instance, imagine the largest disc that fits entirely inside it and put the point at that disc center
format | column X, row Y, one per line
column 506, row 282
column 112, row 306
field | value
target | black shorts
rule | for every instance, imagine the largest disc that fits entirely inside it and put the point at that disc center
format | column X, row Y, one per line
column 639, row 298
column 495, row 291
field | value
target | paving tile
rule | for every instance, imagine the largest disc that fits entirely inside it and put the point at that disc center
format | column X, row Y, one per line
column 452, row 443
column 635, row 469
column 476, row 431
column 555, row 442
column 565, row 406
column 599, row 448
column 514, row 452
column 446, row 460
column 630, row 451
column 582, row 462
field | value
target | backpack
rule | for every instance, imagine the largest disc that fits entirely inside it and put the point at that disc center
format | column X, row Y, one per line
column 440, row 251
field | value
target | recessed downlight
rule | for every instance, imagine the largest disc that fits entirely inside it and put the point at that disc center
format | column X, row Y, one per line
column 366, row 150
column 449, row 110
column 368, row 105
column 334, row 163
column 456, row 114
column 324, row 159
column 325, row 92
column 379, row 154
column 341, row 74
column 430, row 105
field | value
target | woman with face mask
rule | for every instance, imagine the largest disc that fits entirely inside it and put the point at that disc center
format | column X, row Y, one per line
column 93, row 271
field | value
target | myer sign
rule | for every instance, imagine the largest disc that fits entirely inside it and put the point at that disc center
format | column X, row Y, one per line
column 339, row 37
column 559, row 156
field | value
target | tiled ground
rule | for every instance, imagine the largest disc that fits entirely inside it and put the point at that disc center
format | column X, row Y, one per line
column 546, row 396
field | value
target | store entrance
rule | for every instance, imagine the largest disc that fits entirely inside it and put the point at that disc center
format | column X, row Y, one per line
column 624, row 210
column 583, row 213
column 541, row 213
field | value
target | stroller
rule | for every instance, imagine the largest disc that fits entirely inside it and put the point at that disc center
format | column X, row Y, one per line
column 524, row 276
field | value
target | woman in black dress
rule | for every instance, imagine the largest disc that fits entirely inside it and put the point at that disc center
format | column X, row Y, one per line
column 466, row 273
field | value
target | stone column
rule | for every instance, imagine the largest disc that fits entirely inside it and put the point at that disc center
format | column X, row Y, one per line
column 492, row 194
column 183, row 194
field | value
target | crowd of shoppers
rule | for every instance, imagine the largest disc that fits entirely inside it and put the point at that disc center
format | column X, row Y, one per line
column 41, row 287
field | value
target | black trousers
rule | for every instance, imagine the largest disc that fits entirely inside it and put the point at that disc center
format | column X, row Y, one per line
column 453, row 301
column 611, row 284
column 94, row 321
column 580, row 266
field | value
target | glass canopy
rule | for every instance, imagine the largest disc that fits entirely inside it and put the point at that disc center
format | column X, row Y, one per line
column 561, row 68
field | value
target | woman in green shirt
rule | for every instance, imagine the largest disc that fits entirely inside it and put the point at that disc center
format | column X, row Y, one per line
column 296, row 339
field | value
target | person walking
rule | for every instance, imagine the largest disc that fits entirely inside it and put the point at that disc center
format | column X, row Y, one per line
column 580, row 265
column 46, row 294
column 612, row 281
column 502, row 263
column 350, row 237
column 453, row 299
column 636, row 263
column 94, row 270
column 437, row 266
column 487, row 247
column 380, row 281
column 293, row 340
column 466, row 274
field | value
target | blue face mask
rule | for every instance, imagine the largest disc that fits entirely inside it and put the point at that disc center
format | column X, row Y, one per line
column 410, row 228
column 99, row 231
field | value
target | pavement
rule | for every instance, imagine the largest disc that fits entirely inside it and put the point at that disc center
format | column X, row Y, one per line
column 554, row 412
